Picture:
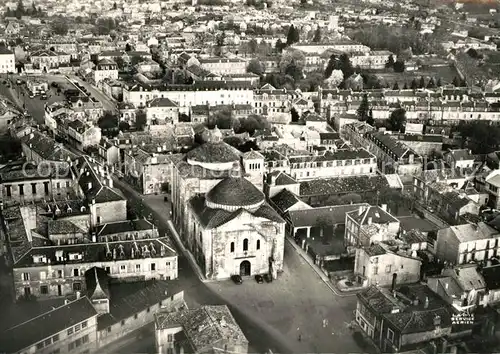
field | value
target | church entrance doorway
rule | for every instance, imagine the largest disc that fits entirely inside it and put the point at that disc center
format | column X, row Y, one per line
column 245, row 268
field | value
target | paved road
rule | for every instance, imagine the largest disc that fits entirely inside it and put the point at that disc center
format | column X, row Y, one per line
column 260, row 334
column 271, row 315
column 35, row 106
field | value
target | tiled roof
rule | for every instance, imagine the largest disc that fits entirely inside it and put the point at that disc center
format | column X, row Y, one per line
column 216, row 152
column 337, row 155
column 205, row 326
column 57, row 227
column 100, row 251
column 49, row 169
column 129, row 299
column 374, row 213
column 47, row 147
column 46, row 325
column 340, row 185
column 213, row 218
column 124, row 226
column 235, row 192
column 332, row 215
column 375, row 250
column 285, row 199
column 162, row 102
column 97, row 281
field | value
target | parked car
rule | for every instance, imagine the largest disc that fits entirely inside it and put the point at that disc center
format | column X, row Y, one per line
column 19, row 82
column 43, row 97
column 236, row 279
column 268, row 278
column 259, row 279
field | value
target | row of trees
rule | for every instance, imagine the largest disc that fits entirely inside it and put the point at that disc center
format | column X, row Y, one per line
column 396, row 40
column 20, row 11
column 224, row 119
column 111, row 126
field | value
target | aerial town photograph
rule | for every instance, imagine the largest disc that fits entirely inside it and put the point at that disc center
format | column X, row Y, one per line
column 249, row 176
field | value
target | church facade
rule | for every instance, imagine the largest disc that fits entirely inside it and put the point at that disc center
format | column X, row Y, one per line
column 233, row 230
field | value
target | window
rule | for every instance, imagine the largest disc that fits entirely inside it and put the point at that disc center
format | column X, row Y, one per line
column 55, row 338
column 77, row 328
column 33, row 188
column 148, row 309
column 168, row 264
column 169, row 338
column 58, row 185
column 135, row 316
column 21, row 189
column 388, row 268
column 137, row 267
column 76, row 272
column 9, row 192
column 123, row 322
column 44, row 290
column 85, row 339
column 258, row 244
column 108, row 270
column 77, row 286
column 70, row 331
column 153, row 266
column 375, row 270
column 390, row 335
column 245, row 244
column 109, row 329
column 59, row 273
column 123, row 267
column 232, row 246
column 26, row 276
column 39, row 345
column 47, row 342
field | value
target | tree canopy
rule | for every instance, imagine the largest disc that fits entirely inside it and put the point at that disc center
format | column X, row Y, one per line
column 293, row 35
column 256, row 67
column 397, row 120
column 363, row 109
column 480, row 136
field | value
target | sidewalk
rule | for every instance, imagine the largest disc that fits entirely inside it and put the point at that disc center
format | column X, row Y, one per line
column 161, row 212
column 318, row 271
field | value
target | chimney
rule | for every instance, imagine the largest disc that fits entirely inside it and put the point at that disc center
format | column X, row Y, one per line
column 360, row 210
column 89, row 185
column 383, row 207
column 426, row 303
column 393, row 284
column 370, row 220
column 94, row 238
column 78, row 294
column 110, row 182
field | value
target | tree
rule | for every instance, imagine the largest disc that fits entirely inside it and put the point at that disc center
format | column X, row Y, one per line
column 317, row 35
column 346, row 66
column 399, row 66
column 397, row 119
column 332, row 62
column 480, row 136
column 431, row 84
column 363, row 109
column 253, row 46
column 256, row 67
column 414, row 84
column 456, row 82
column 280, row 45
column 292, row 62
column 396, row 86
column 390, row 62
column 439, row 83
column 370, row 119
column 60, row 27
column 295, row 115
column 405, row 87
column 128, row 48
column 293, row 35
column 141, row 120
column 422, row 82
column 115, row 6
column 220, row 41
column 108, row 122
column 124, row 126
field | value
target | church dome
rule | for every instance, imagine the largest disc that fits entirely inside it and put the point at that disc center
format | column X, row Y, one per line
column 233, row 194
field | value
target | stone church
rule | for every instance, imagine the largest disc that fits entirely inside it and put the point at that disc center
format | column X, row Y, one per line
column 233, row 230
